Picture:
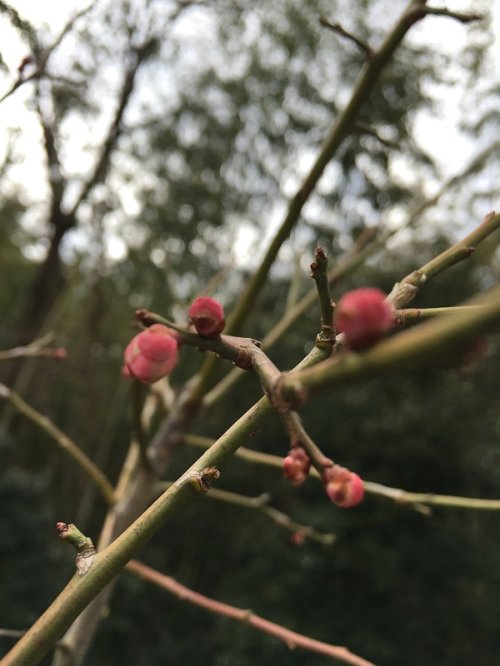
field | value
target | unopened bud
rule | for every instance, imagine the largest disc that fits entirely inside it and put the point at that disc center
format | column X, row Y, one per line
column 207, row 316
column 296, row 465
column 364, row 316
column 343, row 487
column 152, row 354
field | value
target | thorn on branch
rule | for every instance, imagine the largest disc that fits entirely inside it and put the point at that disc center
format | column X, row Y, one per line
column 337, row 28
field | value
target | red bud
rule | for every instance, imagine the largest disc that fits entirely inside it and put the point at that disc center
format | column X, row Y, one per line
column 296, row 465
column 343, row 487
column 152, row 354
column 207, row 316
column 364, row 316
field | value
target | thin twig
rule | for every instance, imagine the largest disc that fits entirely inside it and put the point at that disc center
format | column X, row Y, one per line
column 395, row 494
column 403, row 292
column 319, row 273
column 42, row 57
column 341, row 128
column 408, row 315
column 347, row 264
column 339, row 30
column 362, row 128
column 62, row 441
column 421, row 344
column 247, row 617
column 261, row 504
column 458, row 16
column 33, row 350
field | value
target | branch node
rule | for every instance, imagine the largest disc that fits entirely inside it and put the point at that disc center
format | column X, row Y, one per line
column 339, row 30
column 205, row 478
column 83, row 545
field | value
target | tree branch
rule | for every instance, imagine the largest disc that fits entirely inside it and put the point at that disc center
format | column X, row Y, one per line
column 411, row 348
column 137, row 55
column 261, row 504
column 355, row 258
column 458, row 16
column 291, row 638
column 395, row 494
column 403, row 292
column 339, row 30
column 340, row 130
column 63, row 442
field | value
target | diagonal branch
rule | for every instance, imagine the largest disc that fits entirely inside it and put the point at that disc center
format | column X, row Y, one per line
column 62, row 441
column 401, row 351
column 137, row 56
column 355, row 258
column 261, row 504
column 425, row 343
column 291, row 638
column 365, row 48
column 42, row 57
column 341, row 128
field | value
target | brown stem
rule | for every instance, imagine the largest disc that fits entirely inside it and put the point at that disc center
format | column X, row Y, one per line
column 291, row 638
column 337, row 28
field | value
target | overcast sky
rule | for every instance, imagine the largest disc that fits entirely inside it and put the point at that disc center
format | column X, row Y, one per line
column 438, row 134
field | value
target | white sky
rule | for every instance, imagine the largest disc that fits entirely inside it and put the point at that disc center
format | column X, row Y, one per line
column 439, row 135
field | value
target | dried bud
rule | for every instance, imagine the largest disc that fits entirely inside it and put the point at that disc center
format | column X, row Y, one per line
column 296, row 465
column 207, row 316
column 27, row 60
column 363, row 316
column 152, row 354
column 59, row 353
column 297, row 538
column 343, row 487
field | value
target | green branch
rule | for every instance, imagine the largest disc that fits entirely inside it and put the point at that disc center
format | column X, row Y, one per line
column 342, row 127
column 395, row 494
column 62, row 441
column 261, row 504
column 403, row 292
column 425, row 343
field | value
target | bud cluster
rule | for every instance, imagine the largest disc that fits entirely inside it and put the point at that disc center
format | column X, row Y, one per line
column 296, row 465
column 153, row 353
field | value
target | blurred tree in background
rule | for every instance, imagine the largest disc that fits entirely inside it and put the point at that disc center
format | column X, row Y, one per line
column 148, row 159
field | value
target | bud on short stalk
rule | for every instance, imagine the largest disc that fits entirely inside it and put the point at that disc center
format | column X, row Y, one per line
column 152, row 354
column 364, row 316
column 343, row 487
column 207, row 316
column 296, row 465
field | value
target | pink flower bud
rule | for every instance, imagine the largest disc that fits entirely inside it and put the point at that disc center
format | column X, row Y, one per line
column 297, row 538
column 59, row 353
column 363, row 316
column 207, row 316
column 152, row 354
column 296, row 465
column 27, row 60
column 343, row 487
